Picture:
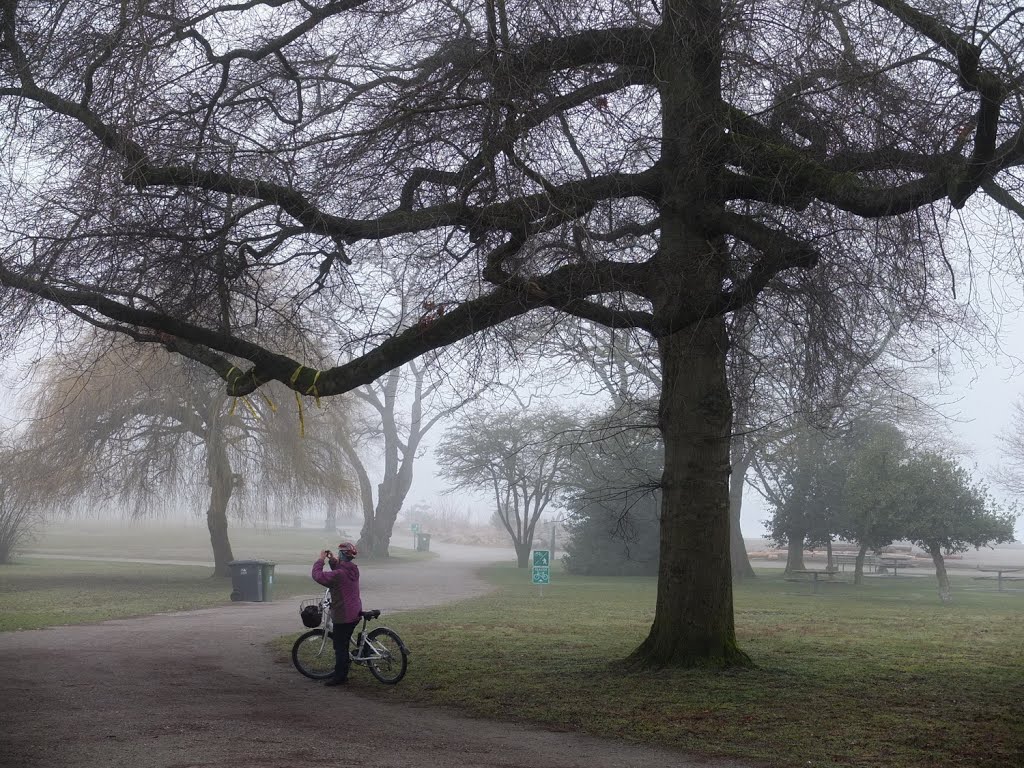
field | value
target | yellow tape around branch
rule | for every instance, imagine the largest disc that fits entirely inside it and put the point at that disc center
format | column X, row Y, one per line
column 311, row 390
column 232, row 376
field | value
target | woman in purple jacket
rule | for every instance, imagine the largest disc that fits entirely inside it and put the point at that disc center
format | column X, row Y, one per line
column 343, row 581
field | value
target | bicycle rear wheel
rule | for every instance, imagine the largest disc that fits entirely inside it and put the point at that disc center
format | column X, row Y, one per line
column 313, row 654
column 391, row 658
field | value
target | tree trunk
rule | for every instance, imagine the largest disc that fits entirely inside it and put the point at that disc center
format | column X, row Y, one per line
column 945, row 593
column 367, row 543
column 741, row 568
column 221, row 482
column 367, row 539
column 693, row 624
column 795, row 551
column 523, row 549
column 379, row 525
column 384, row 522
column 829, row 566
column 693, row 621
column 858, row 568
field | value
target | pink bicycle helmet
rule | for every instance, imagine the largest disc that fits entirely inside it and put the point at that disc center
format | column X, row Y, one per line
column 348, row 549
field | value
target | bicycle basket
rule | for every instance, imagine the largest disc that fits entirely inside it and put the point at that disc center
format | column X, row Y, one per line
column 312, row 613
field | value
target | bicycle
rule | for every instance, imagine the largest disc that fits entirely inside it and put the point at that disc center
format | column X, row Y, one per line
column 380, row 650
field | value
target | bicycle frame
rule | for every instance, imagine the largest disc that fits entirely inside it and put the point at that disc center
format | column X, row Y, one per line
column 380, row 650
column 359, row 643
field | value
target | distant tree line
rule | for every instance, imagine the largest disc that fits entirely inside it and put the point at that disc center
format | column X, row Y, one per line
column 864, row 484
column 868, row 486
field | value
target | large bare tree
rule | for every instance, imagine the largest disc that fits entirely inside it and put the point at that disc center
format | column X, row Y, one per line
column 534, row 157
column 400, row 410
column 522, row 459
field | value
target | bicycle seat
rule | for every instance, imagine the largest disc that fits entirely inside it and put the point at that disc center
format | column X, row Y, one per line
column 369, row 614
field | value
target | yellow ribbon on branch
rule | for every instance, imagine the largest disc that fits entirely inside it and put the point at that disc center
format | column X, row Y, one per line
column 312, row 390
column 232, row 379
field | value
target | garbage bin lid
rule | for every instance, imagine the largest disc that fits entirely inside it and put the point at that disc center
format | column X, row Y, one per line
column 246, row 562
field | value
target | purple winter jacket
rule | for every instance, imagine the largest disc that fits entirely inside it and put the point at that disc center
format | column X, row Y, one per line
column 343, row 581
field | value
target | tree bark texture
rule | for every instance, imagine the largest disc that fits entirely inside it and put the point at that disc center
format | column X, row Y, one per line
column 695, row 577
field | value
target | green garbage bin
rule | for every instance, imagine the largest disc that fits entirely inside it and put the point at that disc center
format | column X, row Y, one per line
column 422, row 542
column 252, row 581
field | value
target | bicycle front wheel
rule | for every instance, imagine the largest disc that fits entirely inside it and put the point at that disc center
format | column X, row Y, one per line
column 390, row 657
column 313, row 654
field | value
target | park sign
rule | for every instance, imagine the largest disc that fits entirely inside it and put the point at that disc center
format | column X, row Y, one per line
column 415, row 527
column 541, row 566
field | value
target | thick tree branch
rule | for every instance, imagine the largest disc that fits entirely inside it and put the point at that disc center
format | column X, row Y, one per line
column 780, row 252
column 624, row 46
column 967, row 55
column 784, row 174
column 562, row 287
column 1004, row 198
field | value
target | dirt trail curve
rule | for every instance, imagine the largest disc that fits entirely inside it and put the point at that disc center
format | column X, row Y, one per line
column 197, row 689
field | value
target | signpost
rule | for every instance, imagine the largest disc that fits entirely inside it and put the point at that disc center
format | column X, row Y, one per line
column 415, row 535
column 541, row 568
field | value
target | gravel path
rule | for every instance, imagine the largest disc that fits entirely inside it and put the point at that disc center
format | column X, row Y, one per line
column 185, row 690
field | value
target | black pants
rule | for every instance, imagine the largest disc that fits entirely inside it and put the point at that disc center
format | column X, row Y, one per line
column 342, row 638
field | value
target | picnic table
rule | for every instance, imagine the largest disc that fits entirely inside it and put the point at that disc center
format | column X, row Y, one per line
column 895, row 562
column 843, row 559
column 999, row 570
column 814, row 574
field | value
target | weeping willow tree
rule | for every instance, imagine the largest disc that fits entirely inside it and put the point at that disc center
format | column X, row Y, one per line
column 115, row 421
column 19, row 505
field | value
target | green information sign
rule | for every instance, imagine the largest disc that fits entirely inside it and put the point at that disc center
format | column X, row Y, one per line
column 415, row 527
column 541, row 574
column 541, row 558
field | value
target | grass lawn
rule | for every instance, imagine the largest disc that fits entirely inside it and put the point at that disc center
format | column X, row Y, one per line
column 877, row 676
column 156, row 541
column 43, row 593
column 38, row 592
